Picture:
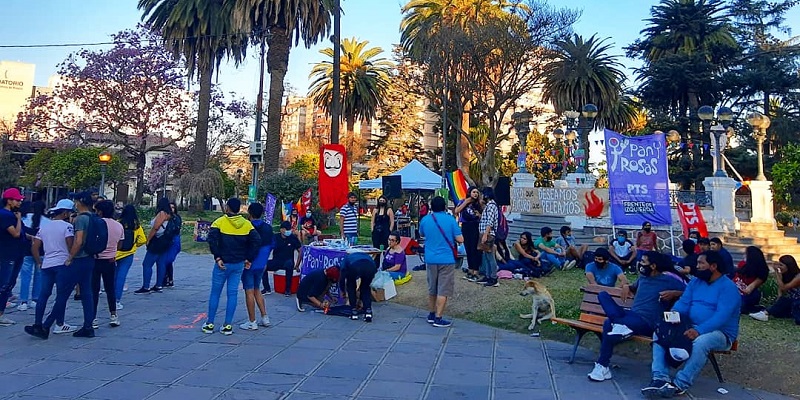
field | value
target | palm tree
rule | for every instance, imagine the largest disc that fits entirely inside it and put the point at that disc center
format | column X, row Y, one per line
column 582, row 73
column 364, row 81
column 278, row 22
column 201, row 32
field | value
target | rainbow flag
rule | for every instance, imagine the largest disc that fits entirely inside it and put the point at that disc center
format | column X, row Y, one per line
column 457, row 185
column 286, row 210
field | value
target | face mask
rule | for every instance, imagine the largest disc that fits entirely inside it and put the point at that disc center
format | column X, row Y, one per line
column 647, row 229
column 703, row 275
column 600, row 264
column 645, row 270
column 383, row 203
column 308, row 215
column 621, row 240
column 287, row 233
column 694, row 240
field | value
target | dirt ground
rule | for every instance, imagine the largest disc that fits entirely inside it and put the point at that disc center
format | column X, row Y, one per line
column 768, row 352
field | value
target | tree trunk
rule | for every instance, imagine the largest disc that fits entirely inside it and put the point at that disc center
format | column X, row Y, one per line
column 277, row 64
column 350, row 121
column 463, row 152
column 200, row 152
column 141, row 161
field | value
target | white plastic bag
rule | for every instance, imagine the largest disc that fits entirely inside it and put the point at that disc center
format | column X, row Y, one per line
column 389, row 290
column 380, row 280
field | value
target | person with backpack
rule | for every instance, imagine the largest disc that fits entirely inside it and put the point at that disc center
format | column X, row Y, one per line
column 134, row 238
column 10, row 260
column 159, row 241
column 174, row 248
column 251, row 277
column 91, row 238
column 105, row 263
column 33, row 218
column 488, row 230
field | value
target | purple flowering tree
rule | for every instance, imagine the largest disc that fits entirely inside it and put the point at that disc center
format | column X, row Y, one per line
column 130, row 97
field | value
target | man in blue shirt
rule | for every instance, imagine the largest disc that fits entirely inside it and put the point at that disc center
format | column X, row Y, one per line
column 711, row 304
column 442, row 235
column 604, row 273
column 655, row 290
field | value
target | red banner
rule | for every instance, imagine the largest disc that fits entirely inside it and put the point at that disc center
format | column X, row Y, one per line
column 333, row 177
column 692, row 219
column 304, row 204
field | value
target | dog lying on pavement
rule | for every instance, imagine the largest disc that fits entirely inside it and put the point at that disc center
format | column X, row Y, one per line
column 542, row 305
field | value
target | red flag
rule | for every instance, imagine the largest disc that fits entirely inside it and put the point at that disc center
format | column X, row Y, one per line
column 333, row 183
column 304, row 204
column 692, row 219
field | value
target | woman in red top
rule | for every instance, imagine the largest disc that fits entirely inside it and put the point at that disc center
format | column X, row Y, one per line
column 646, row 240
column 749, row 277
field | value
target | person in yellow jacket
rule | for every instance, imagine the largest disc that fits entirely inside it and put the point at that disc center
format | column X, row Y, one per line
column 134, row 237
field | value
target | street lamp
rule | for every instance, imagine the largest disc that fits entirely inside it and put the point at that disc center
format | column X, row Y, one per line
column 569, row 138
column 522, row 122
column 724, row 118
column 239, row 173
column 582, row 127
column 105, row 158
column 760, row 123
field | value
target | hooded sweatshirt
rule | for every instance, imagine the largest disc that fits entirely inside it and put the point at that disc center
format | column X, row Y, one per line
column 233, row 239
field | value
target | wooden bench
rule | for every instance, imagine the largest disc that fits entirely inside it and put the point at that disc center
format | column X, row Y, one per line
column 592, row 318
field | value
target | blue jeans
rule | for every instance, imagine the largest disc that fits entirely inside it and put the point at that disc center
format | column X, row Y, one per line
column 489, row 264
column 28, row 271
column 81, row 270
column 61, row 277
column 147, row 268
column 123, row 267
column 230, row 277
column 251, row 278
column 8, row 278
column 786, row 307
column 618, row 315
column 702, row 345
column 552, row 259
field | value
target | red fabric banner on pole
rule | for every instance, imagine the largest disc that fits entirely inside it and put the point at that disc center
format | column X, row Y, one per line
column 692, row 219
column 333, row 177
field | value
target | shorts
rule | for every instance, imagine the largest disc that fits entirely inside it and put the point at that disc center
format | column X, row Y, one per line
column 251, row 278
column 441, row 279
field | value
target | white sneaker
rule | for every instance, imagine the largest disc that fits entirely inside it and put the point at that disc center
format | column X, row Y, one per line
column 760, row 316
column 114, row 321
column 125, row 288
column 249, row 326
column 599, row 373
column 33, row 304
column 95, row 324
column 5, row 321
column 299, row 306
column 22, row 307
column 264, row 321
column 119, row 306
column 66, row 328
column 10, row 304
column 619, row 329
column 570, row 265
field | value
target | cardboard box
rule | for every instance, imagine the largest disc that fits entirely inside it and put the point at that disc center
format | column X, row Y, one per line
column 378, row 295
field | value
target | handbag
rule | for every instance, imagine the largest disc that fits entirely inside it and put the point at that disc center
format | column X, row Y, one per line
column 453, row 248
column 488, row 245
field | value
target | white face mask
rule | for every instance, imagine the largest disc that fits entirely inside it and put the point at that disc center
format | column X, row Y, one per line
column 287, row 233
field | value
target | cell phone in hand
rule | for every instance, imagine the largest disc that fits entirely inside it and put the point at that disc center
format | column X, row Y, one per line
column 672, row 317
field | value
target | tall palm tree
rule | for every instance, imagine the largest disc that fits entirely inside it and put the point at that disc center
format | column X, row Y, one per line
column 201, row 32
column 364, row 81
column 583, row 72
column 282, row 24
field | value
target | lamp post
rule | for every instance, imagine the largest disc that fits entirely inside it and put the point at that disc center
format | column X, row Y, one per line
column 522, row 122
column 760, row 123
column 589, row 113
column 724, row 118
column 568, row 139
column 239, row 173
column 105, row 158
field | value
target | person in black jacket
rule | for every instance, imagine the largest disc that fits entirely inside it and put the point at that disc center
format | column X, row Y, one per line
column 235, row 244
column 251, row 278
column 284, row 258
column 357, row 266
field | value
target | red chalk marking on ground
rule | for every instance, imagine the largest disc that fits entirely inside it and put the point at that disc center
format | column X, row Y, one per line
column 197, row 318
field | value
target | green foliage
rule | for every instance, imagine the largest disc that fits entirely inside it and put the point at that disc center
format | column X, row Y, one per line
column 76, row 168
column 783, row 218
column 786, row 175
column 305, row 165
column 289, row 187
column 11, row 170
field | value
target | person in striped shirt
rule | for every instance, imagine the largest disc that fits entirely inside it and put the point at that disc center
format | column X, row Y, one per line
column 348, row 219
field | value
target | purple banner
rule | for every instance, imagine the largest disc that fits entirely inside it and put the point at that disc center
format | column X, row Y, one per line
column 317, row 257
column 638, row 180
column 269, row 208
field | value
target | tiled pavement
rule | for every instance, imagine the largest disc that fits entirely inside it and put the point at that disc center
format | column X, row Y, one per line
column 159, row 352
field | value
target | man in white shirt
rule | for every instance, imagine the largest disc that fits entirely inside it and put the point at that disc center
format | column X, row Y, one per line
column 56, row 238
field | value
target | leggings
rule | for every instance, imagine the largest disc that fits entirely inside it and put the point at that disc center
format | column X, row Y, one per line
column 366, row 272
column 105, row 269
column 471, row 237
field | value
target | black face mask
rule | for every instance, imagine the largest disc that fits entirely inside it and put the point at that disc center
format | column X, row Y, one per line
column 703, row 275
column 600, row 264
column 647, row 229
column 645, row 270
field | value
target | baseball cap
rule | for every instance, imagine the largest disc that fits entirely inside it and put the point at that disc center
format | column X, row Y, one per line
column 13, row 194
column 332, row 273
column 63, row 204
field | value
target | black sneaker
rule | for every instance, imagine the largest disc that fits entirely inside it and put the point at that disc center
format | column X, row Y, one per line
column 156, row 289
column 38, row 331
column 288, row 294
column 354, row 315
column 431, row 318
column 492, row 283
column 169, row 284
column 368, row 315
column 670, row 390
column 83, row 332
column 266, row 291
column 482, row 280
column 142, row 291
column 651, row 390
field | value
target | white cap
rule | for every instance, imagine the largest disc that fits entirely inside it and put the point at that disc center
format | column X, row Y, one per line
column 64, row 204
column 678, row 354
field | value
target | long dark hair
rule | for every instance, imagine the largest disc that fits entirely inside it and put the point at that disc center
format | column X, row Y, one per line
column 385, row 207
column 129, row 219
column 38, row 211
column 755, row 264
column 475, row 204
column 163, row 205
column 791, row 268
column 528, row 247
column 172, row 203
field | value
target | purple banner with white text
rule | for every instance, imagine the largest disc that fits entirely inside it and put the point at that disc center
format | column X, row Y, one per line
column 638, row 179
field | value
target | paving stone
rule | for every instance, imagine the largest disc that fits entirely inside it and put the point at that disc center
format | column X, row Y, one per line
column 51, row 368
column 66, row 387
column 401, row 374
column 186, row 392
column 218, row 378
column 523, row 394
column 458, row 392
column 155, row 375
column 297, row 365
column 272, row 382
column 253, row 394
column 392, row 389
column 10, row 384
column 106, row 372
column 123, row 391
column 463, row 378
column 450, row 362
column 331, row 386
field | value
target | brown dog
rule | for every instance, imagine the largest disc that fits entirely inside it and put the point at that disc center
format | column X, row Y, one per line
column 542, row 304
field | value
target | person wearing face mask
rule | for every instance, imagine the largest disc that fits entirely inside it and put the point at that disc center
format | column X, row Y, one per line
column 285, row 256
column 690, row 261
column 381, row 223
column 654, row 293
column 727, row 267
column 550, row 252
column 469, row 214
column 348, row 219
column 604, row 273
column 308, row 228
column 622, row 250
column 11, row 231
column 646, row 240
column 711, row 304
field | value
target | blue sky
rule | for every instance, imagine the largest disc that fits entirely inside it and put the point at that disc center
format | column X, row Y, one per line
column 86, row 21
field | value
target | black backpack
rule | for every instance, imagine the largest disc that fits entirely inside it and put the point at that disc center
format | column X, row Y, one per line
column 173, row 226
column 129, row 240
column 96, row 239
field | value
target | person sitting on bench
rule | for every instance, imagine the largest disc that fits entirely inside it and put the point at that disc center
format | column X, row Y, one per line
column 604, row 273
column 655, row 291
column 314, row 286
column 711, row 303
